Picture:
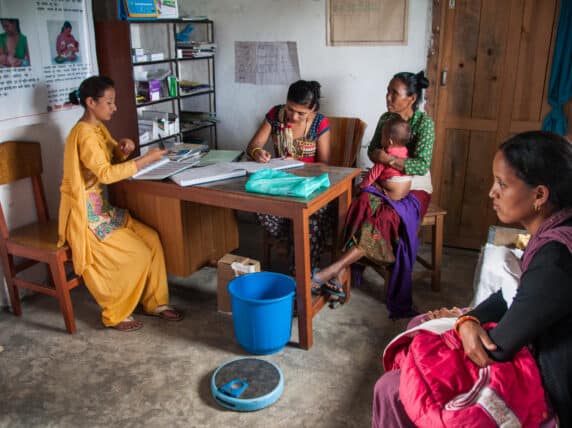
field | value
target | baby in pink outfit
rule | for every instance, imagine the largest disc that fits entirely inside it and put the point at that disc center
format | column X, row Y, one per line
column 395, row 135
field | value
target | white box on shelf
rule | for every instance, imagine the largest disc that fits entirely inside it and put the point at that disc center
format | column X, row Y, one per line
column 156, row 56
column 140, row 58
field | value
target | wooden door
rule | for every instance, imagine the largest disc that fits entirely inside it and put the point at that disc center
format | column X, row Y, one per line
column 489, row 67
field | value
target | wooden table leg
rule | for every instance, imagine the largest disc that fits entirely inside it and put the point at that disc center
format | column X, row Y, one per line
column 344, row 201
column 301, row 232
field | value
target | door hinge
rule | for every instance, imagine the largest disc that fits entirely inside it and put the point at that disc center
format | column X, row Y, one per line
column 451, row 4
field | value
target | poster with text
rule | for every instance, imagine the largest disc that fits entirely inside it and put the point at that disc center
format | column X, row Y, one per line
column 266, row 63
column 46, row 49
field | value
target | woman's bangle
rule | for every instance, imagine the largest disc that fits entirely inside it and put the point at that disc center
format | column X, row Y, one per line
column 463, row 319
column 254, row 151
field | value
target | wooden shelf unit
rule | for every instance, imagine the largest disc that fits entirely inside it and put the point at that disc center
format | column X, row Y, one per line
column 115, row 40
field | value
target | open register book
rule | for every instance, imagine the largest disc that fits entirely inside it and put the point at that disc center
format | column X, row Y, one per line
column 226, row 170
column 164, row 168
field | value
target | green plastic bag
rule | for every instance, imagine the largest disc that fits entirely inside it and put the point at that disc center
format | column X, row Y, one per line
column 280, row 183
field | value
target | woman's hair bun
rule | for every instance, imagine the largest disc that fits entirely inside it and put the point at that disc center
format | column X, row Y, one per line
column 315, row 84
column 74, row 97
column 422, row 81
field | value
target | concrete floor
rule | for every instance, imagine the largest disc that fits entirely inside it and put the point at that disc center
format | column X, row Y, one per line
column 160, row 375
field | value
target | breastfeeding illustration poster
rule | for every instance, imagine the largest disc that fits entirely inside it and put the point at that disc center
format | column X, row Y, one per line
column 46, row 49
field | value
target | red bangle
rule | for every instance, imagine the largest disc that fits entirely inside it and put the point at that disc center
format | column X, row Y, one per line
column 463, row 319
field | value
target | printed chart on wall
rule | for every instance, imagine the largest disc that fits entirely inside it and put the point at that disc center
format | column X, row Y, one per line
column 266, row 63
column 46, row 50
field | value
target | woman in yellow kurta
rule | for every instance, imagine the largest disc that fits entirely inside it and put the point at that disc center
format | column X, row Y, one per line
column 120, row 259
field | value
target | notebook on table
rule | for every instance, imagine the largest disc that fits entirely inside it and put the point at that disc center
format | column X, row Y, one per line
column 274, row 163
column 226, row 170
column 217, row 156
column 206, row 174
column 164, row 168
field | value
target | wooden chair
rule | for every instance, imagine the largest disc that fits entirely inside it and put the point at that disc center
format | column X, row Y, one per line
column 435, row 219
column 345, row 142
column 36, row 242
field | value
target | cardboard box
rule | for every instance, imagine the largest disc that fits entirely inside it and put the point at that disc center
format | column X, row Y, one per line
column 505, row 236
column 150, row 89
column 225, row 273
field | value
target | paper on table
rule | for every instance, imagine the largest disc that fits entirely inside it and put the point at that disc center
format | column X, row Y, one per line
column 217, row 156
column 274, row 163
column 225, row 170
column 182, row 151
column 163, row 168
column 207, row 174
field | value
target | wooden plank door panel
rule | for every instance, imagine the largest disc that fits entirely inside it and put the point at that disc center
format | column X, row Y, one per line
column 455, row 162
column 461, row 70
column 530, row 103
column 490, row 58
column 496, row 55
column 477, row 208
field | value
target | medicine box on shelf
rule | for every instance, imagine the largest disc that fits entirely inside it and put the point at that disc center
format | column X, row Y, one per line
column 149, row 89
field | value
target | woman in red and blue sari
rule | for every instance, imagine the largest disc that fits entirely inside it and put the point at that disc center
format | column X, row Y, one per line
column 381, row 224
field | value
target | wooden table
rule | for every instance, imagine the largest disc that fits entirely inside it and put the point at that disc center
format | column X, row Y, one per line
column 165, row 206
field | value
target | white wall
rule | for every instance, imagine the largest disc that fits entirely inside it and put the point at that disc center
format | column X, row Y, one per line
column 16, row 198
column 353, row 79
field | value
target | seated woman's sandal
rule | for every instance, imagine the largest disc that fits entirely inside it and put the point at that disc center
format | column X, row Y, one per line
column 128, row 324
column 317, row 285
column 334, row 288
column 167, row 313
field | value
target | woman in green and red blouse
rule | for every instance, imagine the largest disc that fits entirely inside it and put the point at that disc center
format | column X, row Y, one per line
column 298, row 130
column 372, row 227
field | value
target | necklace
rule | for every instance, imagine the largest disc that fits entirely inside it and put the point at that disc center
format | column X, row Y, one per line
column 287, row 144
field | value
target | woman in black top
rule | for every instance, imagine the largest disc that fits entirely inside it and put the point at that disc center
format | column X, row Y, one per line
column 533, row 187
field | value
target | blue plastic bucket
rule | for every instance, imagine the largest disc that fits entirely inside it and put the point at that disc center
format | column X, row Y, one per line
column 262, row 305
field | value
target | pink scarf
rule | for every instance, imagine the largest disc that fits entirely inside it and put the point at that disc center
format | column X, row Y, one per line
column 549, row 231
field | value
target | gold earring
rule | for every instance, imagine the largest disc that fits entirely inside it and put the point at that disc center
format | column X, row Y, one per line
column 536, row 207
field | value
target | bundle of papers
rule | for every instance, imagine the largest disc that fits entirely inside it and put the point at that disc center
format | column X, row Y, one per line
column 184, row 151
column 164, row 168
column 226, row 170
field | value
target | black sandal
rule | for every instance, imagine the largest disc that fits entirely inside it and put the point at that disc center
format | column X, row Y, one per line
column 317, row 285
column 334, row 288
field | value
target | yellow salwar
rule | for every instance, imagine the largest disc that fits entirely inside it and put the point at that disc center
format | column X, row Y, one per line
column 127, row 266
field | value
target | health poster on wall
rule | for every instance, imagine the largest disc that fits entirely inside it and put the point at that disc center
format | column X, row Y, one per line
column 46, row 49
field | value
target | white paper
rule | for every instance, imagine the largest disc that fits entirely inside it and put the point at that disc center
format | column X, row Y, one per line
column 207, row 174
column 274, row 163
column 225, row 170
column 163, row 168
column 241, row 268
column 266, row 63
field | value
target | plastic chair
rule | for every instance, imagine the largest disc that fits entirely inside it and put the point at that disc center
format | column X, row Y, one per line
column 345, row 142
column 36, row 242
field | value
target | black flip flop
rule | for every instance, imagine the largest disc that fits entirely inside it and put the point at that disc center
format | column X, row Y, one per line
column 334, row 288
column 316, row 291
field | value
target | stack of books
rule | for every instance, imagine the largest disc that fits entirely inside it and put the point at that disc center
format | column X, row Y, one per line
column 196, row 119
column 182, row 151
column 190, row 87
column 195, row 49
